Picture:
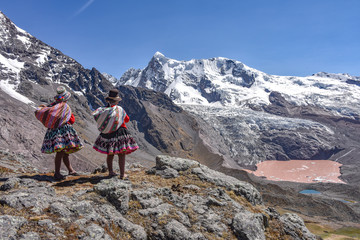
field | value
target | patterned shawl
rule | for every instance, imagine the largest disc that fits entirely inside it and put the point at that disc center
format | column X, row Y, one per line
column 109, row 119
column 54, row 116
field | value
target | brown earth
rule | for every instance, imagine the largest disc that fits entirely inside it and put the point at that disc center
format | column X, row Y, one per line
column 305, row 171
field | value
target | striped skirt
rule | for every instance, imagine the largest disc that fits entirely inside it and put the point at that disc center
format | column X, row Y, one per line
column 116, row 142
column 64, row 138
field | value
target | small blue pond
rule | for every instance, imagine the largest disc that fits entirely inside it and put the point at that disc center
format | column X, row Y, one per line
column 309, row 191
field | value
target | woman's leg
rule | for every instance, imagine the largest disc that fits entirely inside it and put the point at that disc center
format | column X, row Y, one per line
column 109, row 162
column 68, row 164
column 58, row 157
column 122, row 165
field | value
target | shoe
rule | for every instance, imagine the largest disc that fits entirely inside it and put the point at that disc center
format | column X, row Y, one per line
column 125, row 177
column 74, row 174
column 113, row 174
column 59, row 177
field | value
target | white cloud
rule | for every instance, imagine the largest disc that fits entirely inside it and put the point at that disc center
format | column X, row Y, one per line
column 84, row 7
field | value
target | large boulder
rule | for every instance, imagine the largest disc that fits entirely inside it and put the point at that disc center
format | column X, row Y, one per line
column 295, row 227
column 206, row 174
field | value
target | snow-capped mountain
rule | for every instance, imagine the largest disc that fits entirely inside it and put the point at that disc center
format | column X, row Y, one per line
column 225, row 82
column 248, row 116
column 30, row 67
column 110, row 78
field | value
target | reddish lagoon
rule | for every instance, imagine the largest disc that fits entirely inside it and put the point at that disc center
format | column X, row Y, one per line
column 306, row 171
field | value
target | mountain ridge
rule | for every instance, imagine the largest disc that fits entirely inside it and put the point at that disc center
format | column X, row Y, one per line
column 245, row 134
column 216, row 81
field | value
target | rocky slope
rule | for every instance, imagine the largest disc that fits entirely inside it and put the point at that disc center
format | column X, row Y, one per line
column 177, row 199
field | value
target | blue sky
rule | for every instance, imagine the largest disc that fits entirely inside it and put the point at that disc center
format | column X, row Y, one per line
column 281, row 37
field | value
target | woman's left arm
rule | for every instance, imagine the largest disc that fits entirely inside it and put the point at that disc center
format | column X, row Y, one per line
column 72, row 119
column 127, row 118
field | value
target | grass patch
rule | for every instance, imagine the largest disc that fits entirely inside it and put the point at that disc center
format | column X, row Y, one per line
column 116, row 232
column 346, row 233
column 319, row 230
column 72, row 231
column 242, row 200
column 349, row 232
column 6, row 210
column 275, row 231
column 5, row 170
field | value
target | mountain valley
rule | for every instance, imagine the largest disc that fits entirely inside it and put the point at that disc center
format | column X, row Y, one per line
column 219, row 112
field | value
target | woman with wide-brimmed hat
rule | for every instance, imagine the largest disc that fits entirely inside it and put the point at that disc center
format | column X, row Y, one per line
column 60, row 138
column 114, row 137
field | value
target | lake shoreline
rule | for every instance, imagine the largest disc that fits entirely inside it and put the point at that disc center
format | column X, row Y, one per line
column 302, row 171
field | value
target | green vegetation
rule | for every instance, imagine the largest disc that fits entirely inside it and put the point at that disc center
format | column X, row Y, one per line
column 346, row 233
column 349, row 231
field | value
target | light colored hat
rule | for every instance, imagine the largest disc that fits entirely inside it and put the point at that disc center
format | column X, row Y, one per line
column 62, row 94
column 113, row 95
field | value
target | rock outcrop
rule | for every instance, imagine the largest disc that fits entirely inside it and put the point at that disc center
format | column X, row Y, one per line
column 192, row 203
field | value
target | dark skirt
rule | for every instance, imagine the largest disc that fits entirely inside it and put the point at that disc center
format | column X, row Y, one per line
column 116, row 142
column 60, row 139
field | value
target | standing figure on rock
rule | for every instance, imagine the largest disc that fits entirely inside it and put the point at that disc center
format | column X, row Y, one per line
column 114, row 137
column 60, row 138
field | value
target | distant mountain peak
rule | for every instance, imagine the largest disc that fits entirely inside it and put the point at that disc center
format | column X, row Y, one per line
column 158, row 55
column 110, row 77
column 7, row 26
column 197, row 81
column 339, row 76
column 2, row 15
column 159, row 58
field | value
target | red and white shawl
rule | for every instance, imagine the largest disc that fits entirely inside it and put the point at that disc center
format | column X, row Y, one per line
column 109, row 119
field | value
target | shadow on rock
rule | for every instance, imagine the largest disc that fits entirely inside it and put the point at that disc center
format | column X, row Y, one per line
column 81, row 180
column 40, row 178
